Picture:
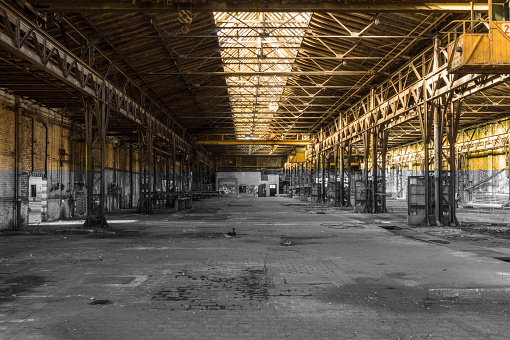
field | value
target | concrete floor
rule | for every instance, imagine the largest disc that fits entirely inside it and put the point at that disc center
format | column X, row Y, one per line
column 293, row 271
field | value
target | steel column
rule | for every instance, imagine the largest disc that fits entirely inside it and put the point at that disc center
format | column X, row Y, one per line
column 384, row 150
column 131, row 179
column 452, row 131
column 366, row 153
column 349, row 176
column 438, row 144
column 375, row 142
column 17, row 199
column 323, row 175
column 426, row 135
column 335, row 156
column 342, row 174
column 317, row 173
column 167, row 186
column 96, row 123
column 174, row 165
column 145, row 144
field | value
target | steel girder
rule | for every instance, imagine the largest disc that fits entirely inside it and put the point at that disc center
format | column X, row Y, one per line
column 253, row 142
column 224, row 6
column 407, row 103
column 26, row 40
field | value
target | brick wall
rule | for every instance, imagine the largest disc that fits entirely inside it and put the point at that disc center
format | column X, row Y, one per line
column 51, row 146
column 54, row 149
column 6, row 164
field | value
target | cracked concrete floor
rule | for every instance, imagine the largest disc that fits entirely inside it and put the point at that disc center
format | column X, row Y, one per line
column 293, row 271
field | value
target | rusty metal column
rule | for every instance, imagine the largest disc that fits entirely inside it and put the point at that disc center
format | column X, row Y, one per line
column 296, row 178
column 291, row 174
column 426, row 141
column 323, row 176
column 310, row 179
column 426, row 130
column 507, row 162
column 131, row 179
column 17, row 199
column 366, row 152
column 335, row 156
column 342, row 174
column 146, row 161
column 455, row 110
column 384, row 150
column 182, row 171
column 349, row 176
column 438, row 143
column 374, row 170
column 96, row 122
column 167, row 186
column 189, row 176
column 174, row 160
column 305, row 175
column 316, row 175
column 301, row 165
column 199, row 176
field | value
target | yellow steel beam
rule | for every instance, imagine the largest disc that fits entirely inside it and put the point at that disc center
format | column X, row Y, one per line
column 253, row 142
column 244, row 6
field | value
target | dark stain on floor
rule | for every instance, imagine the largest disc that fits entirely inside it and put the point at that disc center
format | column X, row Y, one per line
column 216, row 291
column 203, row 210
column 13, row 286
column 217, row 217
column 386, row 296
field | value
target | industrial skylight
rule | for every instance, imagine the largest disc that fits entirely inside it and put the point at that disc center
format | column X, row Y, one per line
column 253, row 44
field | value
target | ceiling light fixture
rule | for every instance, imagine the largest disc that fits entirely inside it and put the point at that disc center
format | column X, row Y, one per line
column 273, row 106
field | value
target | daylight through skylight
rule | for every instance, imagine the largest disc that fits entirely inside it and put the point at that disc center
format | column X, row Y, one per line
column 254, row 44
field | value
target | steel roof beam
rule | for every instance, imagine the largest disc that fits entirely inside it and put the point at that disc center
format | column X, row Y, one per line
column 261, row 73
column 84, row 79
column 251, row 37
column 295, row 6
column 253, row 142
column 184, row 57
column 247, row 118
column 283, row 86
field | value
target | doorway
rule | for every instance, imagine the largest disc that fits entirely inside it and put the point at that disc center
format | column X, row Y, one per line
column 37, row 199
column 272, row 190
column 262, row 190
